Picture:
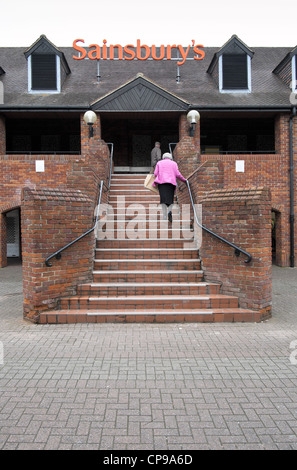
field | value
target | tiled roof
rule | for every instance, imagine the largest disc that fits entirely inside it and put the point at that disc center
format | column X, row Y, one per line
column 196, row 85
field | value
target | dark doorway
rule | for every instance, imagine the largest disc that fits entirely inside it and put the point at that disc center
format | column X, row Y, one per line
column 135, row 136
column 13, row 234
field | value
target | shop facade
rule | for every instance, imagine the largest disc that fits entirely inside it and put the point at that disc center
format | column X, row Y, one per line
column 246, row 98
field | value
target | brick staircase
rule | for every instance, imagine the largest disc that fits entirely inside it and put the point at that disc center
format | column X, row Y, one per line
column 154, row 278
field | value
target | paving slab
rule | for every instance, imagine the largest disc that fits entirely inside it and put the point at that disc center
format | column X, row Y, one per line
column 148, row 386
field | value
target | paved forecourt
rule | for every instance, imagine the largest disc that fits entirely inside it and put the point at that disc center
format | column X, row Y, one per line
column 148, row 386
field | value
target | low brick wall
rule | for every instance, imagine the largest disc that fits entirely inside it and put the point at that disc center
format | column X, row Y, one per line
column 243, row 217
column 51, row 219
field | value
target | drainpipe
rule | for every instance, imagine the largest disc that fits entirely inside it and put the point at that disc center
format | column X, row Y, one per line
column 292, row 215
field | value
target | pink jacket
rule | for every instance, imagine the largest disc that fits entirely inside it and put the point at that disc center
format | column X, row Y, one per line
column 167, row 171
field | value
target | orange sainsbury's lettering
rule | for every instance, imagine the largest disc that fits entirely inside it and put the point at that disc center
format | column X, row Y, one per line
column 120, row 49
column 169, row 50
column 184, row 54
column 139, row 52
column 162, row 53
column 79, row 49
column 131, row 53
column 96, row 53
column 199, row 52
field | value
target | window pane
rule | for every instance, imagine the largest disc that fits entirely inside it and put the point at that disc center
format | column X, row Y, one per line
column 44, row 72
column 235, row 71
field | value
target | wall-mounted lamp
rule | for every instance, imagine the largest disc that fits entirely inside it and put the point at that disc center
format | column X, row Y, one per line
column 90, row 118
column 192, row 118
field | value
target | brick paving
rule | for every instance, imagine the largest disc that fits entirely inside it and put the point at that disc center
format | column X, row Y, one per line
column 148, row 386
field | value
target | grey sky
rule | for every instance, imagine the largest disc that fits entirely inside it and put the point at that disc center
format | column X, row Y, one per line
column 210, row 23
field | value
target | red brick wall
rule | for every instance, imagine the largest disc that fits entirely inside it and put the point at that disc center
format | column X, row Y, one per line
column 50, row 220
column 187, row 151
column 243, row 217
column 52, row 217
column 82, row 172
column 3, row 241
column 271, row 171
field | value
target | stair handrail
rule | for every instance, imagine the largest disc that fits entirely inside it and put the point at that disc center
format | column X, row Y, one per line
column 237, row 249
column 58, row 253
column 111, row 162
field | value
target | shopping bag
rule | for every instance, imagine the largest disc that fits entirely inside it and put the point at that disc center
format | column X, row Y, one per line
column 148, row 183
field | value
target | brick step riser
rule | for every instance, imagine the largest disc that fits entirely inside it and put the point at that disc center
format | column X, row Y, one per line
column 133, row 199
column 128, row 202
column 100, row 265
column 114, row 276
column 113, row 291
column 154, row 221
column 122, row 234
column 146, row 243
column 118, row 186
column 148, row 304
column 139, row 224
column 128, row 191
column 129, row 176
column 219, row 315
column 143, row 255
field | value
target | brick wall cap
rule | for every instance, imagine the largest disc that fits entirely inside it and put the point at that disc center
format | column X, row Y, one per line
column 208, row 163
column 239, row 194
column 55, row 194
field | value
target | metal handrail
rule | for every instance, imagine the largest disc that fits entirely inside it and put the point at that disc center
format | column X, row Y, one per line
column 111, row 162
column 58, row 253
column 237, row 249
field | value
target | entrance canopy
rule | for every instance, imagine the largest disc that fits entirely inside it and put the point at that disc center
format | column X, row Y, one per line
column 134, row 117
column 140, row 94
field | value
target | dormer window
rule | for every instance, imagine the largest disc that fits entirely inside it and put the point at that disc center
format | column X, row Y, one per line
column 235, row 73
column 43, row 73
column 286, row 70
column 231, row 67
column 47, row 67
column 294, row 73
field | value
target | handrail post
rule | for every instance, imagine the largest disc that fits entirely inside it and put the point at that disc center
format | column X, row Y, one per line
column 237, row 249
column 58, row 253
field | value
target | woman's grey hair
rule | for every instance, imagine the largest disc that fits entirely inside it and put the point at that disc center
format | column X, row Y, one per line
column 167, row 155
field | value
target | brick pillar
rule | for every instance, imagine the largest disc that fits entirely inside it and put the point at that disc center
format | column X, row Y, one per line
column 243, row 217
column 187, row 151
column 94, row 163
column 2, row 136
column 282, row 147
column 295, row 183
column 89, row 145
column 3, row 241
column 51, row 219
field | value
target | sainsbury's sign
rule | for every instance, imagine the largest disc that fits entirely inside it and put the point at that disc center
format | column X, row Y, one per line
column 137, row 52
